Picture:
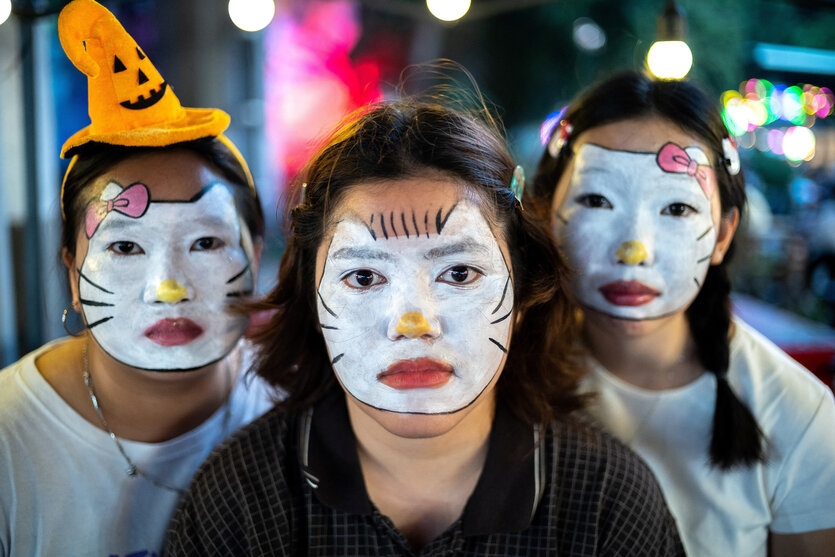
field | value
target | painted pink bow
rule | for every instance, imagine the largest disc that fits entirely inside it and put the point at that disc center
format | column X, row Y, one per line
column 672, row 158
column 133, row 202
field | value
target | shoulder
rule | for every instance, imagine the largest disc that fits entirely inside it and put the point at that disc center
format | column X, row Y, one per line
column 250, row 476
column 588, row 452
column 250, row 453
column 595, row 471
column 774, row 386
column 21, row 385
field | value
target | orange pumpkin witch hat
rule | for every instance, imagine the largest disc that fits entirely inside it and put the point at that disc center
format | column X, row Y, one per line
column 130, row 104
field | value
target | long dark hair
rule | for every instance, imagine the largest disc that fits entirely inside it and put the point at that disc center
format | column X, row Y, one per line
column 405, row 139
column 736, row 438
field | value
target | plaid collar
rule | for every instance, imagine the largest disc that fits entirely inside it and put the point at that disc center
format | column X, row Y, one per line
column 505, row 497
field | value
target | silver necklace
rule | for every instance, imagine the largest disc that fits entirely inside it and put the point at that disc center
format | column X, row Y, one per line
column 132, row 470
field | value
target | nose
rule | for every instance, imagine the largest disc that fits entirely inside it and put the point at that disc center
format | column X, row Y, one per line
column 413, row 324
column 168, row 291
column 632, row 252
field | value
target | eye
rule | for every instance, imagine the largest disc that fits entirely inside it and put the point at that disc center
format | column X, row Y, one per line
column 207, row 243
column 363, row 278
column 594, row 201
column 118, row 66
column 125, row 248
column 678, row 210
column 460, row 274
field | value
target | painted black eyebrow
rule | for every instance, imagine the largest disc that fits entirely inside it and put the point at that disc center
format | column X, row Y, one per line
column 468, row 245
column 361, row 253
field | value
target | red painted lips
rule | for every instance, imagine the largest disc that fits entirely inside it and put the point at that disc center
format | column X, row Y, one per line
column 173, row 331
column 416, row 374
column 628, row 293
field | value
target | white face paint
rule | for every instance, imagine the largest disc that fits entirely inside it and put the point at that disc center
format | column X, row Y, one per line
column 158, row 277
column 640, row 237
column 416, row 308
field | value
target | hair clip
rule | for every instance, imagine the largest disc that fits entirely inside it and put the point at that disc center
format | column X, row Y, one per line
column 731, row 160
column 517, row 184
column 560, row 137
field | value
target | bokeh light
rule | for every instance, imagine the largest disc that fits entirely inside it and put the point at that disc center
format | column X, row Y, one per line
column 669, row 59
column 799, row 143
column 5, row 10
column 251, row 15
column 750, row 112
column 588, row 35
column 448, row 10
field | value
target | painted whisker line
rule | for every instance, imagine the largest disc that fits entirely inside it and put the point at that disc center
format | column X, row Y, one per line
column 697, row 282
column 496, row 342
column 426, row 223
column 403, row 220
column 704, row 233
column 393, row 229
column 239, row 275
column 562, row 218
column 324, row 305
column 500, row 319
column 94, row 303
column 440, row 221
column 328, row 327
column 383, row 224
column 93, row 283
column 99, row 322
column 504, row 293
column 338, row 358
column 238, row 293
column 371, row 228
column 414, row 221
column 705, row 258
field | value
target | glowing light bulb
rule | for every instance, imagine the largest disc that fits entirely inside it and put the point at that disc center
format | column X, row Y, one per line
column 5, row 10
column 669, row 59
column 251, row 15
column 448, row 10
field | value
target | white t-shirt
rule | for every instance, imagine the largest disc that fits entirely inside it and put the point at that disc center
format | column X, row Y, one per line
column 730, row 513
column 64, row 489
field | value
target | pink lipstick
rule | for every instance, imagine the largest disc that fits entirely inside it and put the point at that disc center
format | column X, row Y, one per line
column 628, row 293
column 173, row 331
column 422, row 373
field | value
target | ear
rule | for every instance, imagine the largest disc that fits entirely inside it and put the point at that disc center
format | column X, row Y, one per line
column 727, row 228
column 72, row 276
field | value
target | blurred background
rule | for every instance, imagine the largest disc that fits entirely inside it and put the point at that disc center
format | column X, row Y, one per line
column 288, row 70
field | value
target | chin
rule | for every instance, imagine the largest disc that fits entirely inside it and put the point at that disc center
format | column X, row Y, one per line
column 423, row 426
column 628, row 325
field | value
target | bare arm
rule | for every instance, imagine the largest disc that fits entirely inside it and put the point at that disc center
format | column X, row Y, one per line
column 817, row 543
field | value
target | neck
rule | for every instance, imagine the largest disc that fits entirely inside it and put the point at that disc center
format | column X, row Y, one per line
column 138, row 405
column 653, row 354
column 422, row 483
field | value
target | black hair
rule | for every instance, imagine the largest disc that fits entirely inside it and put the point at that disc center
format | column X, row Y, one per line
column 736, row 438
column 94, row 159
column 405, row 139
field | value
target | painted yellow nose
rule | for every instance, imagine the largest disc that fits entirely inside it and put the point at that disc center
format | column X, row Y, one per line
column 413, row 324
column 632, row 252
column 170, row 291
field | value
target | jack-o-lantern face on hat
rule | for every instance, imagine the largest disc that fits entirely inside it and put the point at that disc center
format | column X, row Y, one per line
column 135, row 78
column 130, row 104
column 124, row 86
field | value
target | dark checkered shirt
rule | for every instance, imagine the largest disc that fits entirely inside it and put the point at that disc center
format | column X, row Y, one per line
column 292, row 485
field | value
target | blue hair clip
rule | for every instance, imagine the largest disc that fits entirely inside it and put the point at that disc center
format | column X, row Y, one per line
column 517, row 184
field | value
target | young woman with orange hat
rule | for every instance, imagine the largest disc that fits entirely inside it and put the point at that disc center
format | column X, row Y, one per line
column 100, row 434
